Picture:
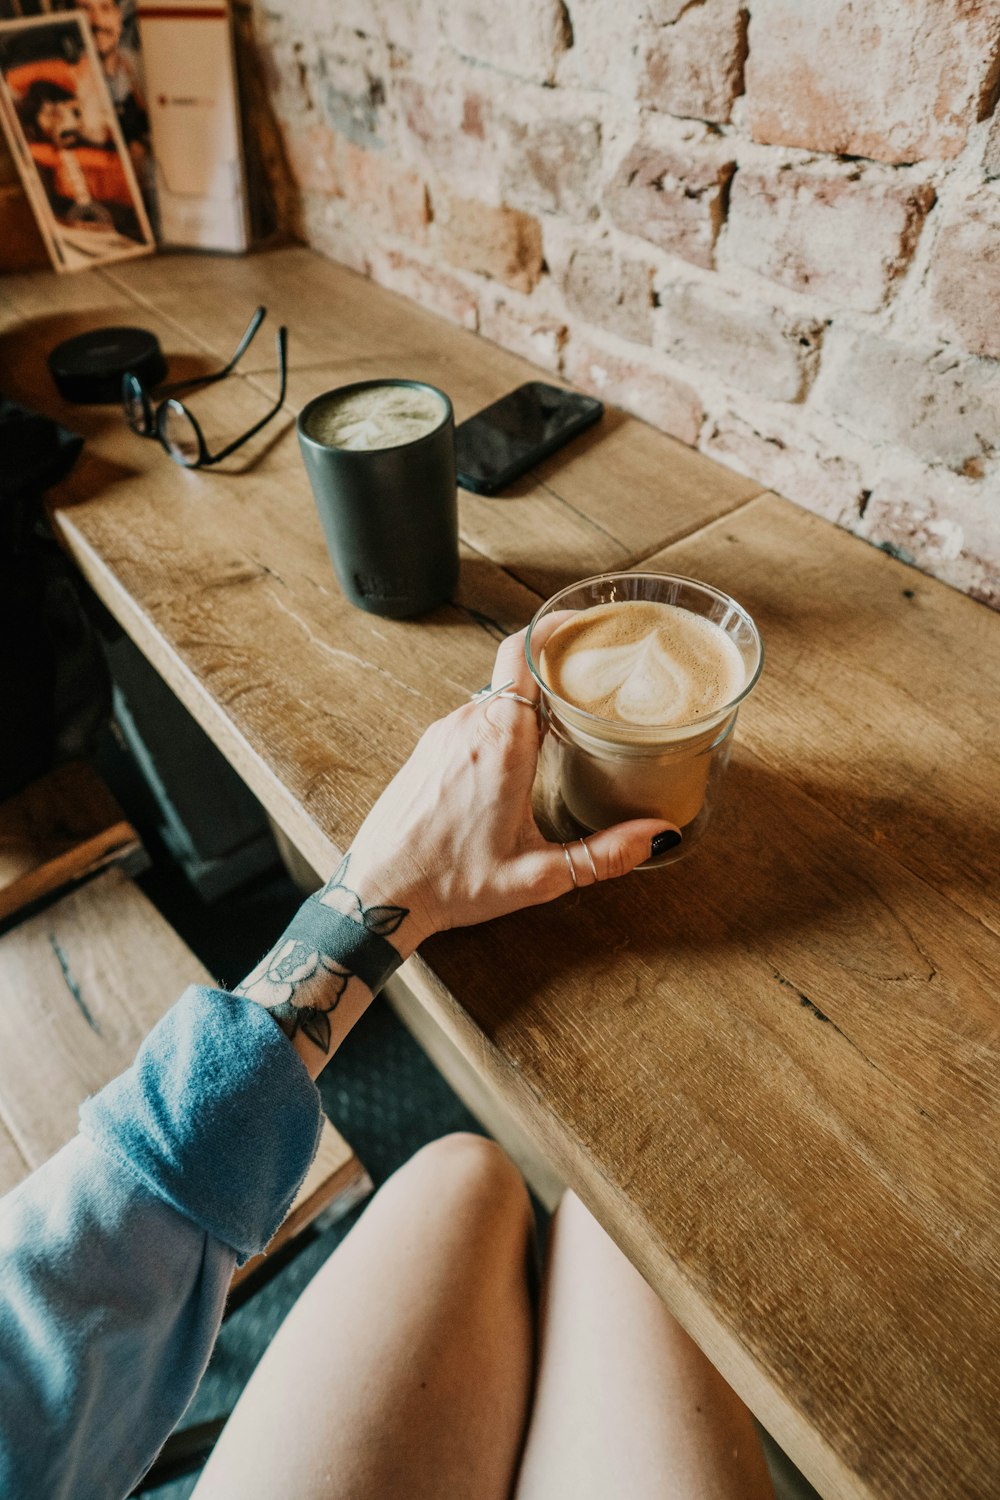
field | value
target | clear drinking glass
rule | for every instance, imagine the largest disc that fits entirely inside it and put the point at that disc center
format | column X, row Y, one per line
column 592, row 771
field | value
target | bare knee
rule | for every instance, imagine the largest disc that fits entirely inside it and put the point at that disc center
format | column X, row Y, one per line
column 476, row 1179
column 474, row 1165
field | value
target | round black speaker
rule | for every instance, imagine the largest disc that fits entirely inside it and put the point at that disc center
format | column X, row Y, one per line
column 89, row 367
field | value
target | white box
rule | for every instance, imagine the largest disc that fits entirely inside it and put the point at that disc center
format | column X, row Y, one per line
column 193, row 100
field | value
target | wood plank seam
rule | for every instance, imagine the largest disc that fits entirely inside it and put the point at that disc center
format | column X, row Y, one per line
column 253, row 378
column 143, row 304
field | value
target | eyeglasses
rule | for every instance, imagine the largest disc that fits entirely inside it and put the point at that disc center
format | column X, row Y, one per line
column 178, row 430
column 176, row 426
column 137, row 403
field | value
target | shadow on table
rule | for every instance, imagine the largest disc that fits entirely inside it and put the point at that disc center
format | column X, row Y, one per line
column 93, row 477
column 778, row 882
column 491, row 595
column 26, row 377
column 26, row 373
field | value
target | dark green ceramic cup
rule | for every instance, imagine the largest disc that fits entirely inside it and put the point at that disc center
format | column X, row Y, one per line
column 389, row 515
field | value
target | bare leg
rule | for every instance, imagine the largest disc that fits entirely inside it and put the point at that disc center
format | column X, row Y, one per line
column 404, row 1369
column 625, row 1403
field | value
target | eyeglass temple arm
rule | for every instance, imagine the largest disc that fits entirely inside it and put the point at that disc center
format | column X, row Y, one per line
column 282, row 346
column 241, row 349
column 246, row 340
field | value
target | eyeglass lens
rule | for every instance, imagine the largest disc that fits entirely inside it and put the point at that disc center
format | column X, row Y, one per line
column 136, row 405
column 179, row 434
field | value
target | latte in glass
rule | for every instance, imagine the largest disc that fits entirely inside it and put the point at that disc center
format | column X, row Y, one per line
column 641, row 677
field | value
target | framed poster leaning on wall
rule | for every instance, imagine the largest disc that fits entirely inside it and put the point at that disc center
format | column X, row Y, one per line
column 66, row 140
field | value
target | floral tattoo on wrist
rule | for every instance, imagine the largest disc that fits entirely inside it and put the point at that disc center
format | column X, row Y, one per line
column 332, row 939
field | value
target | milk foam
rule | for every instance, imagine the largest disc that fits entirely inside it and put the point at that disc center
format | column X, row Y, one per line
column 642, row 662
column 382, row 416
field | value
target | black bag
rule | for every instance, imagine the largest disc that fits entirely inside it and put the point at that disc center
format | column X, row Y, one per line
column 55, row 694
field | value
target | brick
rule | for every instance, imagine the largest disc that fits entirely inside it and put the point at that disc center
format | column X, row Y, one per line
column 526, row 40
column 941, row 524
column 502, row 243
column 965, row 273
column 347, row 82
column 312, row 158
column 474, row 116
column 611, row 292
column 524, row 330
column 673, row 196
column 358, row 16
column 552, row 166
column 843, row 234
column 934, row 402
column 326, row 225
column 691, row 57
column 603, row 55
column 636, row 384
column 395, row 199
column 387, row 194
column 284, row 76
column 753, row 346
column 403, row 23
column 427, row 285
column 899, row 83
column 446, row 127
column 789, row 463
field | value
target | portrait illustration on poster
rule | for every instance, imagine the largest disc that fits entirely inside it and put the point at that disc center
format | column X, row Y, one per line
column 67, row 141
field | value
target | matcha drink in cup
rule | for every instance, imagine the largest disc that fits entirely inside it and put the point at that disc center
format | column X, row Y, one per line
column 380, row 456
column 641, row 682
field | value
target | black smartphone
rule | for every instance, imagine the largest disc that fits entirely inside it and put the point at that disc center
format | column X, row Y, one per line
column 514, row 434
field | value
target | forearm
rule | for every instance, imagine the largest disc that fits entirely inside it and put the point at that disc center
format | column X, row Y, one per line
column 185, row 1165
column 336, row 953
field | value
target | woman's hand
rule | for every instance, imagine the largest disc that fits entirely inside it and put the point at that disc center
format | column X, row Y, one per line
column 452, row 838
column 451, row 841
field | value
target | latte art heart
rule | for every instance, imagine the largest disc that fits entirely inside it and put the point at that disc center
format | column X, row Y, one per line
column 641, row 682
column 642, row 662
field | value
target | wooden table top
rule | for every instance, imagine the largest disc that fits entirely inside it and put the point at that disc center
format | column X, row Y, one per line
column 772, row 1069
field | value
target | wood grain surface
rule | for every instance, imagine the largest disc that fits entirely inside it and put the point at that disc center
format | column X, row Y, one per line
column 772, row 1069
column 59, row 830
column 83, row 982
column 612, row 497
column 880, row 691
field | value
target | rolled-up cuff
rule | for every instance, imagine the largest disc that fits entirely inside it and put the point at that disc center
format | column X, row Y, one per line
column 217, row 1115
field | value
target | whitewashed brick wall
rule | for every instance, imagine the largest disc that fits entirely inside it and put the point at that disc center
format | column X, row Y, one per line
column 771, row 228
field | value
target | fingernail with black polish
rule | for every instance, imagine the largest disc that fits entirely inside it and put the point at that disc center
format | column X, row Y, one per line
column 668, row 839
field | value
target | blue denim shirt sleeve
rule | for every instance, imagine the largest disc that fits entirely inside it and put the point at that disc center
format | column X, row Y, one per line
column 116, row 1255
